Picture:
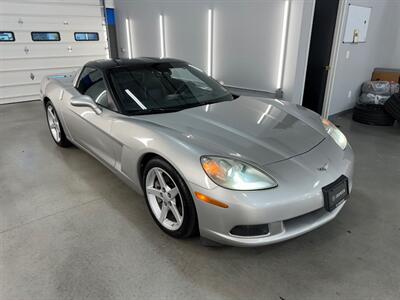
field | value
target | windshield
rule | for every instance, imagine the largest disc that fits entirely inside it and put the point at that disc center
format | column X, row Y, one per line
column 164, row 87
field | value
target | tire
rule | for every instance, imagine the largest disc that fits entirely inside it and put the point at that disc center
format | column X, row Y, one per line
column 372, row 114
column 55, row 127
column 183, row 200
column 392, row 106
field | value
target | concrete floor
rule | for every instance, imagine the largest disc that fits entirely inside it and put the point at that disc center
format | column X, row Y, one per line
column 69, row 229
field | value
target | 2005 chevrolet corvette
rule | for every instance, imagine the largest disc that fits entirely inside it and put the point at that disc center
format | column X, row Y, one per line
column 241, row 171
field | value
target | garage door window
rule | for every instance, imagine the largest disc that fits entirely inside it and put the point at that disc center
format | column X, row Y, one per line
column 86, row 36
column 7, row 36
column 43, row 36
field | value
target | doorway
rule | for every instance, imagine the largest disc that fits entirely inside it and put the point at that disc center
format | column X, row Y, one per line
column 323, row 30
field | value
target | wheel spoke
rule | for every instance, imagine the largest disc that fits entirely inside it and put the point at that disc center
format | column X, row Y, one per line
column 154, row 192
column 164, row 212
column 176, row 213
column 58, row 131
column 53, row 117
column 160, row 179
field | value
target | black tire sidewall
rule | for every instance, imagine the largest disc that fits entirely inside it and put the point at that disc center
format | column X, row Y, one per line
column 392, row 106
column 372, row 114
column 189, row 226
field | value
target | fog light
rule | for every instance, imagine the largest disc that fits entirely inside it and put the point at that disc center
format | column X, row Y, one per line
column 250, row 230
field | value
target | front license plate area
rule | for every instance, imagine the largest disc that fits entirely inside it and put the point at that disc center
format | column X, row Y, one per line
column 335, row 192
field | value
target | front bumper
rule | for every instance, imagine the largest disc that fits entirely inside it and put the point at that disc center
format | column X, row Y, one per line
column 295, row 207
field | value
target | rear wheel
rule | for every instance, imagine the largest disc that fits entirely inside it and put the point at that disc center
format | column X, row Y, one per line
column 169, row 199
column 55, row 127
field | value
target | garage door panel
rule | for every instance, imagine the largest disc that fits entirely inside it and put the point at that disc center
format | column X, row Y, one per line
column 60, row 27
column 31, row 76
column 24, row 37
column 12, row 92
column 49, row 50
column 13, row 8
column 30, row 22
column 69, row 2
column 23, row 63
column 19, row 98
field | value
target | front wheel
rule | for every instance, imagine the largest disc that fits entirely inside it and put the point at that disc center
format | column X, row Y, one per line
column 169, row 199
column 55, row 127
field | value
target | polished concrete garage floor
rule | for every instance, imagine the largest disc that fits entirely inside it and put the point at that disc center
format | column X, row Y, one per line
column 69, row 229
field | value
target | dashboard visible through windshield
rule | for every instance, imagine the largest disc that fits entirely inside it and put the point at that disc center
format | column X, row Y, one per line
column 164, row 87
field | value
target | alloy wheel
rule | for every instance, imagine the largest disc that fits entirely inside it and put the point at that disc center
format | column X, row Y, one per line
column 164, row 198
column 54, row 123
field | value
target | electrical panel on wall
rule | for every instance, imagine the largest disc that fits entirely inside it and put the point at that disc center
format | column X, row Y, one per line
column 357, row 24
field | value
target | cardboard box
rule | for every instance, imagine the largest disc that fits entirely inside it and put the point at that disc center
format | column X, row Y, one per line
column 386, row 75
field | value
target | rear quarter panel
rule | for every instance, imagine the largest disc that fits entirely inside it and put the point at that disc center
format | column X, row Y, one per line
column 59, row 89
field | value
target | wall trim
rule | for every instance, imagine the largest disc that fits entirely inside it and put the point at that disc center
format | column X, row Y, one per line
column 307, row 53
column 339, row 114
column 340, row 20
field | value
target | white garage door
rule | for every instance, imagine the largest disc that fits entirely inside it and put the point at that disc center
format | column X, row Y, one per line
column 41, row 37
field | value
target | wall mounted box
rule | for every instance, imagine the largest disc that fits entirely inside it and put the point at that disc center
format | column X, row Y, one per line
column 357, row 24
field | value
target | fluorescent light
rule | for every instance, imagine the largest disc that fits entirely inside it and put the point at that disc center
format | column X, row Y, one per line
column 162, row 36
column 132, row 36
column 210, row 42
column 283, row 45
column 128, row 37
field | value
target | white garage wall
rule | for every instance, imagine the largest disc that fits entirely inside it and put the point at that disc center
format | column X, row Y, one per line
column 186, row 32
column 381, row 50
column 247, row 36
column 247, row 43
column 23, row 63
column 396, row 50
column 298, row 43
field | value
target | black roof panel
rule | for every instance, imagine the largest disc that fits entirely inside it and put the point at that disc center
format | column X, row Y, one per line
column 105, row 64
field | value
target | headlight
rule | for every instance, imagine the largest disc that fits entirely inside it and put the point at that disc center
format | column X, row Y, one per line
column 236, row 175
column 335, row 133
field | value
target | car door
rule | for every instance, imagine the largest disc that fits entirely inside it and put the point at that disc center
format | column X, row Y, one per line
column 88, row 129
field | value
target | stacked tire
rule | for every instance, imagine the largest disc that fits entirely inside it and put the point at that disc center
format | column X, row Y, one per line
column 392, row 106
column 372, row 114
column 379, row 103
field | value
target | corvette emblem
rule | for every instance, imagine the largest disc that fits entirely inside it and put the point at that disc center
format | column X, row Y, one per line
column 324, row 168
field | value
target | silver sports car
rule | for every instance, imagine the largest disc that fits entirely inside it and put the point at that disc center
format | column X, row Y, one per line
column 237, row 170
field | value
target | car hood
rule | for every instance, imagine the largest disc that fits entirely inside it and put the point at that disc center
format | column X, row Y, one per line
column 259, row 130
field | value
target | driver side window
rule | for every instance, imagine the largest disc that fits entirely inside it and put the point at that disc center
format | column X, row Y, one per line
column 91, row 83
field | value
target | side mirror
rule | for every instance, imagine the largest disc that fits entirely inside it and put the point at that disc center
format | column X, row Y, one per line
column 85, row 101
